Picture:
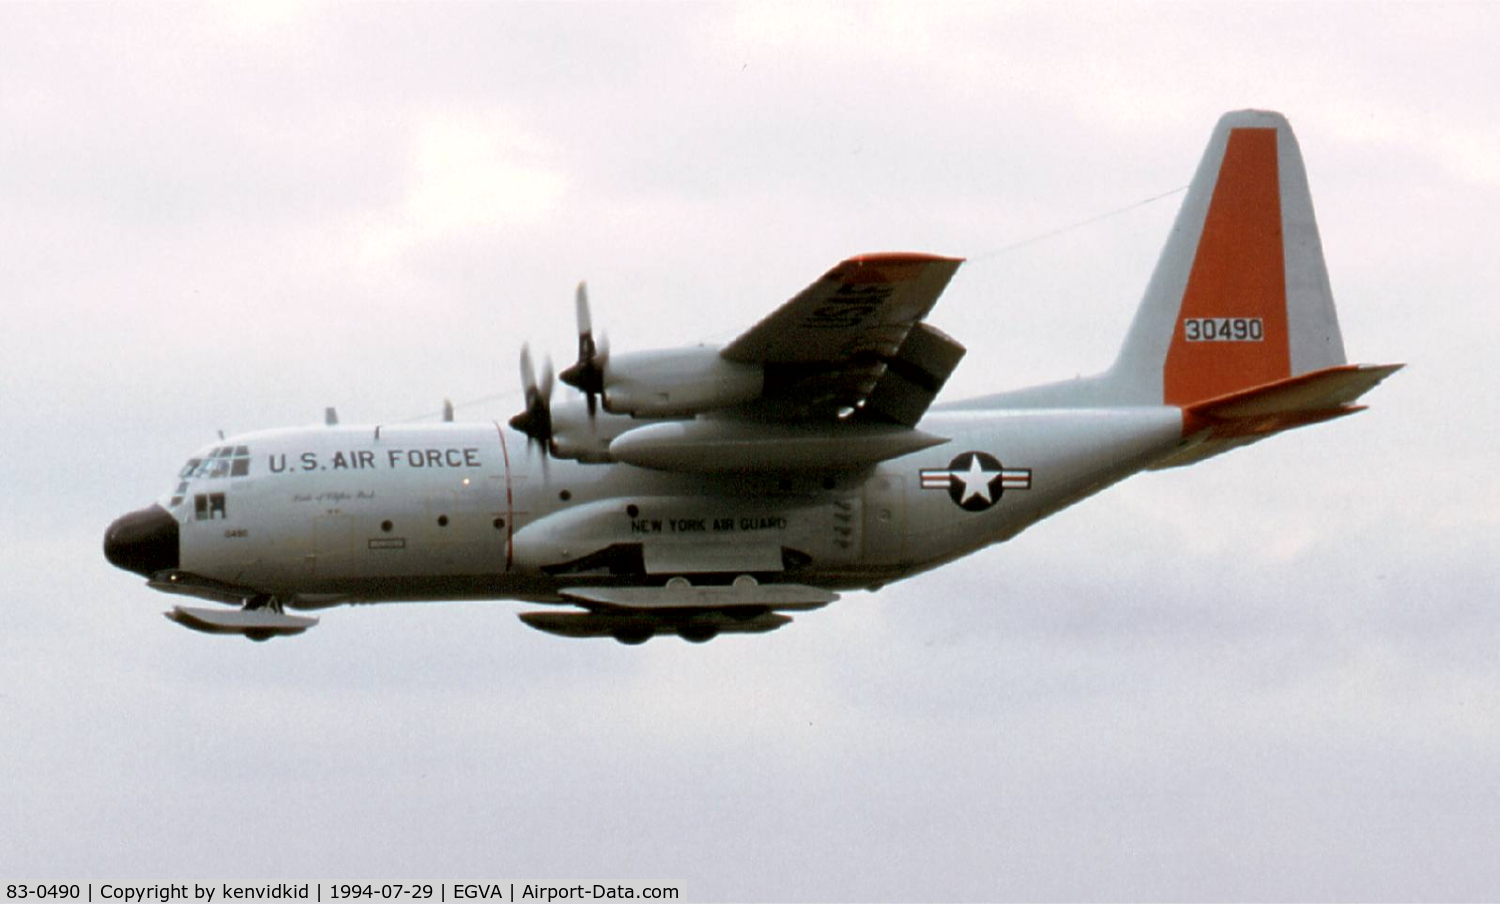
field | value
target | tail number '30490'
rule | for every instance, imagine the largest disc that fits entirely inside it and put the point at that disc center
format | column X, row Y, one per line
column 1223, row 329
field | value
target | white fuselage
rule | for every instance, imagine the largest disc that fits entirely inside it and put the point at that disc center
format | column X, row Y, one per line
column 323, row 515
column 703, row 490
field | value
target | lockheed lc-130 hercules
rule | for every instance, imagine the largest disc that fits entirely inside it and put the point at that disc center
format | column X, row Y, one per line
column 709, row 490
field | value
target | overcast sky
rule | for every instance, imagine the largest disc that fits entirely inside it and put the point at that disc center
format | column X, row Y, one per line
column 1271, row 676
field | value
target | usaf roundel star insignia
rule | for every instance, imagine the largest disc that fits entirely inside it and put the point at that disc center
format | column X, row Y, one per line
column 975, row 480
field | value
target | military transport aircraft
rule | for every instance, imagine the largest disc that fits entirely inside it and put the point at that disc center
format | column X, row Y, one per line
column 708, row 490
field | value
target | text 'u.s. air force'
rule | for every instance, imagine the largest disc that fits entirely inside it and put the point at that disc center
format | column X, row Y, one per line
column 365, row 459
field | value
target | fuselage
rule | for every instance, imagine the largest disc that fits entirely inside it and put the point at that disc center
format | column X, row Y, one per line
column 322, row 515
column 701, row 490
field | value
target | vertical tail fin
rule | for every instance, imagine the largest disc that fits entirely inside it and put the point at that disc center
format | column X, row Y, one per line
column 1237, row 327
column 1240, row 297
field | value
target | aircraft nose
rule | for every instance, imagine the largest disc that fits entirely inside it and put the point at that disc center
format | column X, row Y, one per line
column 144, row 541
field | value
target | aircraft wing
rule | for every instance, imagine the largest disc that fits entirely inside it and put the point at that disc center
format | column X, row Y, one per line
column 827, row 350
column 841, row 374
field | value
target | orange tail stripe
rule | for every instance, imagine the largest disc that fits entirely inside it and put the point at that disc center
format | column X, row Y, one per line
column 1239, row 271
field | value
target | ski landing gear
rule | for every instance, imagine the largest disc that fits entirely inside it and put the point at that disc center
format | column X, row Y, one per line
column 260, row 618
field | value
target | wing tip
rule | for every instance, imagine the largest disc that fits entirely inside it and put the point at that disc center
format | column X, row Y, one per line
column 903, row 257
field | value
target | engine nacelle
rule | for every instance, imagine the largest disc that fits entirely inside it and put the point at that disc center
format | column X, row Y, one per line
column 579, row 436
column 678, row 382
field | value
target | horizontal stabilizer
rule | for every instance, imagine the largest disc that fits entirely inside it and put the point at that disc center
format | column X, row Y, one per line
column 1320, row 390
column 256, row 624
column 1286, row 404
column 1219, row 424
column 687, row 596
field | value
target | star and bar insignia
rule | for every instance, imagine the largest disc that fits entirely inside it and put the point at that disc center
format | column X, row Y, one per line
column 975, row 480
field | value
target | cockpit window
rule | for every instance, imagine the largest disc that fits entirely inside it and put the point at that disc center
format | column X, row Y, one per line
column 222, row 461
column 189, row 468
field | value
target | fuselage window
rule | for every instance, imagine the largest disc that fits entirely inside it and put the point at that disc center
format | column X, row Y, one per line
column 209, row 506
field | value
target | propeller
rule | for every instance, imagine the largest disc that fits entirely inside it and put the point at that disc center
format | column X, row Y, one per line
column 587, row 373
column 536, row 420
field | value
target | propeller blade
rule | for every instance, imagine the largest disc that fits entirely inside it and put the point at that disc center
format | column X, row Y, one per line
column 601, row 359
column 587, row 373
column 536, row 420
column 528, row 375
column 581, row 303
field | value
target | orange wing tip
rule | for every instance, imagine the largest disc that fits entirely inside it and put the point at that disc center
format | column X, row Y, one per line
column 891, row 267
column 902, row 257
